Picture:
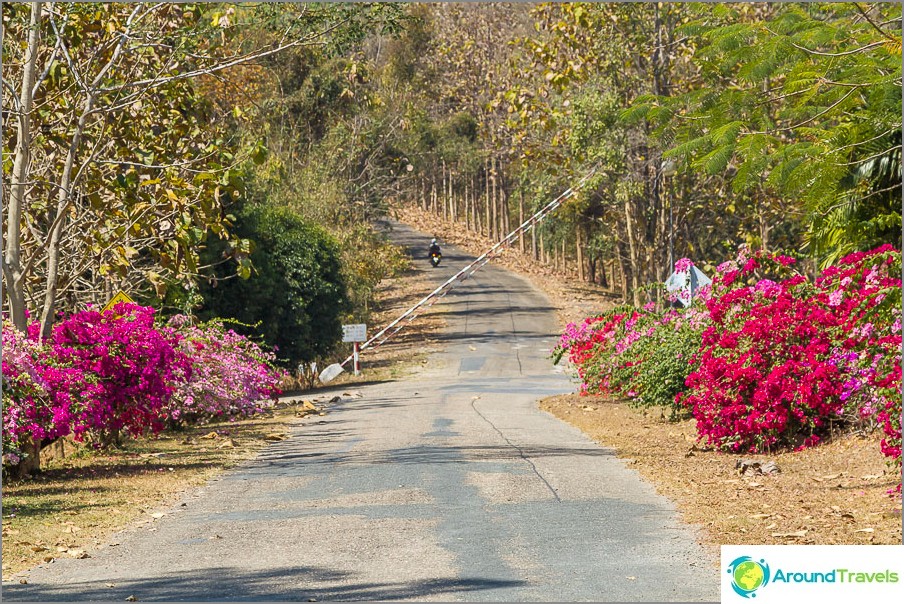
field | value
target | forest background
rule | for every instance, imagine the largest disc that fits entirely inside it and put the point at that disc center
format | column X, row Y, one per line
column 229, row 160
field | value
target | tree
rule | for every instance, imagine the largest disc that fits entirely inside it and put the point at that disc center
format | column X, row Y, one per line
column 119, row 165
column 796, row 102
column 296, row 293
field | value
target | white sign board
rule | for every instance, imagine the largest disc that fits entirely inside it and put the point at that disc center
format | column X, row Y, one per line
column 685, row 284
column 354, row 333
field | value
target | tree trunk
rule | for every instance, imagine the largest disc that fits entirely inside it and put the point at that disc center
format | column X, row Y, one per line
column 504, row 203
column 433, row 196
column 453, row 202
column 579, row 253
column 495, row 203
column 564, row 257
column 521, row 218
column 12, row 263
column 533, row 242
column 64, row 198
column 489, row 221
column 467, row 207
column 424, row 194
column 623, row 274
column 475, row 205
column 445, row 196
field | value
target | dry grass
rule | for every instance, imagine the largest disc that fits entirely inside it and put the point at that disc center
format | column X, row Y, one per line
column 835, row 493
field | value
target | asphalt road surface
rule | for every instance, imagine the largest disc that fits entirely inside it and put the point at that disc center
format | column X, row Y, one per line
column 450, row 485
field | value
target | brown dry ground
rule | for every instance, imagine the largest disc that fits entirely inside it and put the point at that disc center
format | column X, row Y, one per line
column 835, row 493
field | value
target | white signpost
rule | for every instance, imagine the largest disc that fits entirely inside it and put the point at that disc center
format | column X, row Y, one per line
column 355, row 333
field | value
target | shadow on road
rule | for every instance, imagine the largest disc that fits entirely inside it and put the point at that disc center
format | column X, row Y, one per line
column 427, row 455
column 235, row 584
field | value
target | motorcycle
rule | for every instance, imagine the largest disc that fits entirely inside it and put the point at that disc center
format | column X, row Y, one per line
column 435, row 258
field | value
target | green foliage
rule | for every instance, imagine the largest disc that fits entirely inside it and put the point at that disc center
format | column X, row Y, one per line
column 667, row 361
column 296, row 293
column 796, row 101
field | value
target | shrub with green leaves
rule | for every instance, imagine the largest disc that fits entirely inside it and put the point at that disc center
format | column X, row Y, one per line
column 296, row 294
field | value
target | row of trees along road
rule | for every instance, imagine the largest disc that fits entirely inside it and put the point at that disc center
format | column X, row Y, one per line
column 781, row 121
column 142, row 141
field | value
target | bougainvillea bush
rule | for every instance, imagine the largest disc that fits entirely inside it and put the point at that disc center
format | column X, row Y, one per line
column 127, row 370
column 638, row 355
column 765, row 358
column 27, row 406
column 101, row 373
column 231, row 376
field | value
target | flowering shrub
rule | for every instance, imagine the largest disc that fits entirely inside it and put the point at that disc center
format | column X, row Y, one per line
column 765, row 376
column 667, row 354
column 103, row 372
column 28, row 411
column 127, row 370
column 230, row 375
column 585, row 344
column 769, row 359
column 641, row 356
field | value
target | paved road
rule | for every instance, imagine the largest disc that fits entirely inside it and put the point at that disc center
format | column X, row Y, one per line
column 450, row 485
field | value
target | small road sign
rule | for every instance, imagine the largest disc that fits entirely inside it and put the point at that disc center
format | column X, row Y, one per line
column 120, row 296
column 354, row 333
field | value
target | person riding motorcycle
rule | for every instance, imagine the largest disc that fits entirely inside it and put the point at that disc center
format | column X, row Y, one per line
column 434, row 253
column 434, row 248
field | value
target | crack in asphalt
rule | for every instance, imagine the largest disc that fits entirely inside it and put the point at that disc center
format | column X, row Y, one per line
column 514, row 333
column 517, row 448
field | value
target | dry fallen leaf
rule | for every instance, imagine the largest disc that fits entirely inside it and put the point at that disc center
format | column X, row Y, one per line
column 158, row 515
column 210, row 435
column 275, row 436
column 865, row 530
column 794, row 534
column 131, row 599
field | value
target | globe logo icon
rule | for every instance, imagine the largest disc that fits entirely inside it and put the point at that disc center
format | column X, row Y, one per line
column 748, row 575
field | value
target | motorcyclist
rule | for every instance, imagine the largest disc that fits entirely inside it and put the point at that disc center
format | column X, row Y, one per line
column 434, row 248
